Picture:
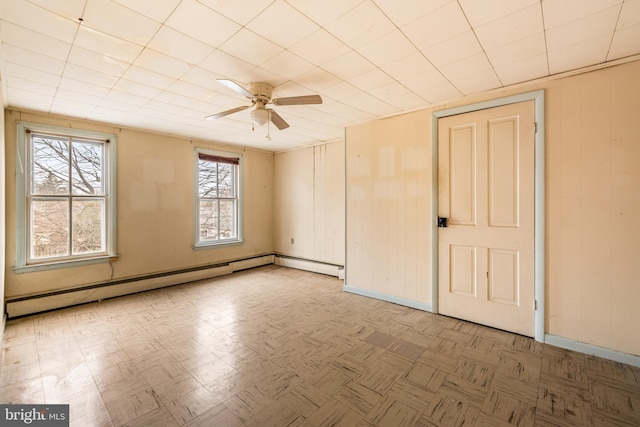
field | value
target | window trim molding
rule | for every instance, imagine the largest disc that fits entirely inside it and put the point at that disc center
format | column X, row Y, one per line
column 21, row 257
column 197, row 243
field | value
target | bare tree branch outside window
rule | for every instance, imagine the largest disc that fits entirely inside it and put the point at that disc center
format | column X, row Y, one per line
column 218, row 200
column 67, row 200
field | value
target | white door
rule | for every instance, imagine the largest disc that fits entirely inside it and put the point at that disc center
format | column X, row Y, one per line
column 486, row 192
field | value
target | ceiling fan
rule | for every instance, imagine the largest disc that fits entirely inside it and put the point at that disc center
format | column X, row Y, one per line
column 259, row 94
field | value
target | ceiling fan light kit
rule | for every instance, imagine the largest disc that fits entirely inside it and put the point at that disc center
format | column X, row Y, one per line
column 260, row 95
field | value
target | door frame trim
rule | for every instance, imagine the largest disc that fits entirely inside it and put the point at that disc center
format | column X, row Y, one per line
column 539, row 197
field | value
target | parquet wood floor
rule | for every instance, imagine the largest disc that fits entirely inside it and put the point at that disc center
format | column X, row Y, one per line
column 281, row 347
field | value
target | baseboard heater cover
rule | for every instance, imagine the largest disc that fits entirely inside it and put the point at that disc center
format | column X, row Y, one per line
column 31, row 304
column 310, row 265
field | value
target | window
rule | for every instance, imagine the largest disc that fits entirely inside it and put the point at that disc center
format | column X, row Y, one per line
column 218, row 210
column 65, row 191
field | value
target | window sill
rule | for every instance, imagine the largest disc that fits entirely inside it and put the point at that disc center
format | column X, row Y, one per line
column 204, row 246
column 31, row 268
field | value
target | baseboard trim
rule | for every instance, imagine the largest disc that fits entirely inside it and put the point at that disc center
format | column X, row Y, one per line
column 594, row 350
column 389, row 298
column 310, row 265
column 31, row 304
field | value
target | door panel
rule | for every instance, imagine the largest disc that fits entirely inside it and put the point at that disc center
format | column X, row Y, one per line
column 486, row 190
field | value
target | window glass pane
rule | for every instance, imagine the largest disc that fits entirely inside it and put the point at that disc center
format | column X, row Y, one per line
column 49, row 228
column 209, row 220
column 88, row 226
column 225, row 180
column 86, row 168
column 207, row 179
column 227, row 216
column 49, row 165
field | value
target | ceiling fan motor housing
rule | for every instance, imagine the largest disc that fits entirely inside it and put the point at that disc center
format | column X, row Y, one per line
column 261, row 91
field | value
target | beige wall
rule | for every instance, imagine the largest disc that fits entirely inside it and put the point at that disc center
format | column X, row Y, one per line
column 2, row 210
column 309, row 203
column 592, row 183
column 155, row 176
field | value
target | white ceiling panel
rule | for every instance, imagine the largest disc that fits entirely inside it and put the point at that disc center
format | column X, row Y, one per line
column 197, row 20
column 40, row 20
column 154, row 65
column 282, row 24
column 111, row 18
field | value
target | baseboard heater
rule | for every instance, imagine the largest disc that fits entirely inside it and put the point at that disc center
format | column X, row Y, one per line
column 310, row 265
column 68, row 297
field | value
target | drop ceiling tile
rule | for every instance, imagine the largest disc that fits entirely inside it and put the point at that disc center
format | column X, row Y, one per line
column 361, row 25
column 114, row 47
column 33, row 41
column 524, row 70
column 97, row 61
column 189, row 90
column 174, row 99
column 515, row 26
column 86, row 75
column 477, row 82
column 179, row 46
column 440, row 25
column 630, row 14
column 201, row 78
column 137, row 89
column 28, row 99
column 558, row 12
column 73, row 95
column 40, row 20
column 80, row 86
column 68, row 107
column 388, row 48
column 224, row 65
column 625, row 43
column 324, row 12
column 162, row 64
column 198, row 21
column 319, row 47
column 159, row 11
column 31, row 85
column 517, row 50
column 454, row 49
column 241, row 11
column 27, row 58
column 407, row 101
column 70, row 9
column 371, row 80
column 287, row 64
column 148, row 78
column 596, row 24
column 482, row 12
column 317, row 79
column 403, row 12
column 349, row 65
column 250, row 47
column 111, row 18
column 282, row 24
column 259, row 74
column 432, row 86
column 588, row 52
column 409, row 66
column 466, row 66
column 33, row 74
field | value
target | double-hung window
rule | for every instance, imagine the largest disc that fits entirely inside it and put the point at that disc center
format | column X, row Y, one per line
column 65, row 191
column 218, row 219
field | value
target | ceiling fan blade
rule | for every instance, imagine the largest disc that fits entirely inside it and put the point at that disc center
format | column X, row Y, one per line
column 226, row 113
column 237, row 88
column 277, row 120
column 298, row 100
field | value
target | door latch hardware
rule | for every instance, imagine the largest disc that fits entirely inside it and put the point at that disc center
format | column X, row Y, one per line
column 442, row 222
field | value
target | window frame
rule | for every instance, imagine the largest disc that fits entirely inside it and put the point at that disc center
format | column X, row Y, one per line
column 208, row 244
column 24, row 263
